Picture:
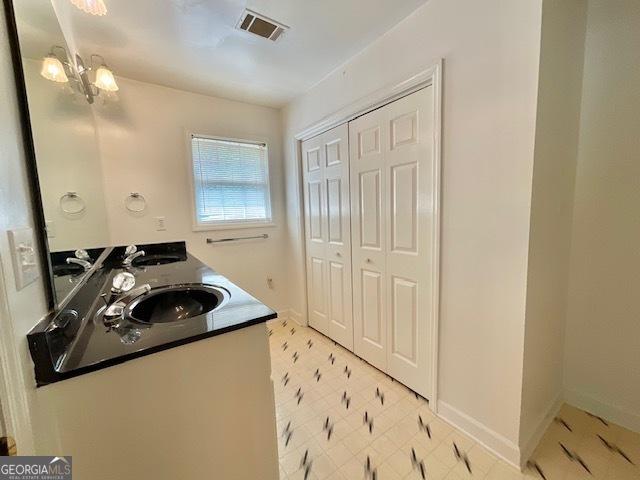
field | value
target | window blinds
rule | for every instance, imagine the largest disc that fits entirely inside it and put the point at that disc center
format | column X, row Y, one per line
column 231, row 181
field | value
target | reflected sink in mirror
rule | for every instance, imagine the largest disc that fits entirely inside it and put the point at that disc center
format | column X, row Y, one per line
column 176, row 303
column 151, row 260
column 67, row 269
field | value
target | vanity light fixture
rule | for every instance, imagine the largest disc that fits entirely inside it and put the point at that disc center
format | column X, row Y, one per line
column 94, row 7
column 105, row 79
column 53, row 68
column 58, row 68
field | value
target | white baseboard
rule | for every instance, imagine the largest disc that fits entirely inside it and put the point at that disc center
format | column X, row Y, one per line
column 613, row 413
column 528, row 445
column 290, row 314
column 297, row 317
column 500, row 446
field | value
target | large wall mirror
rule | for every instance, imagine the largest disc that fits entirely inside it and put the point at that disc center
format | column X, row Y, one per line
column 60, row 95
column 123, row 112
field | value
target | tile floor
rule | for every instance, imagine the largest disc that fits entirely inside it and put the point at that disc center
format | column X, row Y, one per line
column 338, row 418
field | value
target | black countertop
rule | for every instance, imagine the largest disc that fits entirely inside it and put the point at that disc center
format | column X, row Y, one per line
column 71, row 345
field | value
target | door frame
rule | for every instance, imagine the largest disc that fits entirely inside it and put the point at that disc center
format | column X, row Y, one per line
column 16, row 409
column 429, row 76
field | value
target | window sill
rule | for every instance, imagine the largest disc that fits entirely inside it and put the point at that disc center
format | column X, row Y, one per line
column 231, row 226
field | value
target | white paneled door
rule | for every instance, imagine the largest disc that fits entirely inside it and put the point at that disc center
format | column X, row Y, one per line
column 325, row 161
column 393, row 181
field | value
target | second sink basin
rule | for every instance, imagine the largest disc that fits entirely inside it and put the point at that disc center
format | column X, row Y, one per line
column 67, row 269
column 176, row 303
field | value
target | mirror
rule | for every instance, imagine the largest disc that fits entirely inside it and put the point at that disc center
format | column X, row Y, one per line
column 65, row 141
column 165, row 147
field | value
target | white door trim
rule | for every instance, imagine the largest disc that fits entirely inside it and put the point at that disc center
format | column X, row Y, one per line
column 13, row 396
column 429, row 76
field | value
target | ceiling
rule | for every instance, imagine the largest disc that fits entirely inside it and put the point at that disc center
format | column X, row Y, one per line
column 193, row 45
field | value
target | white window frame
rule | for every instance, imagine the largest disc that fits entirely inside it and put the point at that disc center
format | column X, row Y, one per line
column 198, row 226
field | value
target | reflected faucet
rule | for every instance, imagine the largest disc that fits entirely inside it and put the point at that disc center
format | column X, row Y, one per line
column 131, row 253
column 81, row 258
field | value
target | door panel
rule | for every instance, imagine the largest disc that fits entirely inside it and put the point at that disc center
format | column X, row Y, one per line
column 318, row 294
column 315, row 234
column 328, row 233
column 338, row 253
column 369, row 141
column 313, row 159
column 315, row 211
column 337, row 294
column 410, row 262
column 368, row 239
column 392, row 175
column 372, row 307
column 404, row 129
column 335, row 148
column 404, row 206
column 334, row 210
column 404, row 319
column 370, row 209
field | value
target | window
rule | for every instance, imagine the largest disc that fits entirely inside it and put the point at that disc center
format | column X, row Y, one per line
column 231, row 182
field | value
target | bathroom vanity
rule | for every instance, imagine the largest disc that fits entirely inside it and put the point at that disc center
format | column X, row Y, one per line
column 148, row 366
column 174, row 384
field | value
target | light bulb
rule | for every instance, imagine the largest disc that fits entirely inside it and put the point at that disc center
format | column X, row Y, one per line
column 94, row 7
column 53, row 70
column 105, row 79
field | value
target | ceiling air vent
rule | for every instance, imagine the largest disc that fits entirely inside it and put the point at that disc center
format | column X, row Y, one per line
column 260, row 25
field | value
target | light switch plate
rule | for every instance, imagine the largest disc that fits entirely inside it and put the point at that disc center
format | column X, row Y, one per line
column 161, row 225
column 23, row 253
column 51, row 229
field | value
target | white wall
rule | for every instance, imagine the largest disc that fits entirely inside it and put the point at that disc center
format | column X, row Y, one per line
column 491, row 54
column 19, row 310
column 68, row 159
column 560, row 85
column 603, row 327
column 143, row 147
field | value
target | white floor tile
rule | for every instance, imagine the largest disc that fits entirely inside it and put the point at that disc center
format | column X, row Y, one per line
column 313, row 387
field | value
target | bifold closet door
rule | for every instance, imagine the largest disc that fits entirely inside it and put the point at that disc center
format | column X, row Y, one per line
column 393, row 225
column 328, row 234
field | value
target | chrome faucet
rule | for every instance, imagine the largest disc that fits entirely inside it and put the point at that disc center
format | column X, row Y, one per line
column 121, row 291
column 81, row 258
column 131, row 253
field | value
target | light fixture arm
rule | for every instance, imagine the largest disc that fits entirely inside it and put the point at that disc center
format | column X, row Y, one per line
column 64, row 59
column 87, row 86
column 93, row 65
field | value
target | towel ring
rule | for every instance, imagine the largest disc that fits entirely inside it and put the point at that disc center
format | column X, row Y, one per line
column 135, row 202
column 72, row 204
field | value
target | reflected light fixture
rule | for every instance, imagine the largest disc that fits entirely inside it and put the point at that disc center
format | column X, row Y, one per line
column 105, row 79
column 57, row 68
column 94, row 7
column 52, row 69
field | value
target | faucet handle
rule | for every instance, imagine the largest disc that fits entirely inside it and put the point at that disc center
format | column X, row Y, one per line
column 82, row 254
column 130, row 250
column 123, row 282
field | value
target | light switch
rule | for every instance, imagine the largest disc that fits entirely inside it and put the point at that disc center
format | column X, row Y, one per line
column 160, row 224
column 51, row 229
column 23, row 252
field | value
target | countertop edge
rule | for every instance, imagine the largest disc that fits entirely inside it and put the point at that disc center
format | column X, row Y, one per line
column 60, row 376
